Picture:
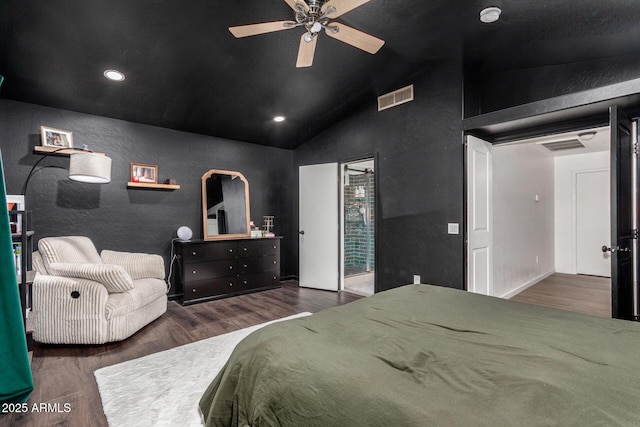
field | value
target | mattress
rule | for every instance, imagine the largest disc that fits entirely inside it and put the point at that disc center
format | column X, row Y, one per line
column 426, row 355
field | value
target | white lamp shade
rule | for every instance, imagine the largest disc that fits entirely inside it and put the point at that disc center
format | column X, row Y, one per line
column 90, row 167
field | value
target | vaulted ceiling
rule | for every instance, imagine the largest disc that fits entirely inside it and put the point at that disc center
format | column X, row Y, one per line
column 185, row 70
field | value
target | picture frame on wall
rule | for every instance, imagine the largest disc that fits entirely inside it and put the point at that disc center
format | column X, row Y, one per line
column 141, row 172
column 56, row 138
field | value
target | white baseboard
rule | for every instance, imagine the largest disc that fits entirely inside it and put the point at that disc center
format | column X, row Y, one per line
column 526, row 285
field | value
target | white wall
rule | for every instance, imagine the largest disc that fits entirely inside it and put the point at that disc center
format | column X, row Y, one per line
column 564, row 169
column 523, row 228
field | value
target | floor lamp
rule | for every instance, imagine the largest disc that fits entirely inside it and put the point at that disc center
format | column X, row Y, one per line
column 84, row 166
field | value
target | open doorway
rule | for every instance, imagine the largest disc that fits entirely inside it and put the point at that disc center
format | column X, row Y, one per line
column 358, row 226
column 549, row 214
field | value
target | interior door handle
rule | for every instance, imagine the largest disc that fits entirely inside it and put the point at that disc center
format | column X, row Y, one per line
column 301, row 232
column 616, row 249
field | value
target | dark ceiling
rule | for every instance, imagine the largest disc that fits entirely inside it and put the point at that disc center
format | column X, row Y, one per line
column 184, row 70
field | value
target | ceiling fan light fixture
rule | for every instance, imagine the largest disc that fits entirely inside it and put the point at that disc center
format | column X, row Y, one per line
column 313, row 16
column 490, row 14
column 278, row 119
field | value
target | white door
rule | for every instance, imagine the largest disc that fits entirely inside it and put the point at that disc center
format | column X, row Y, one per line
column 319, row 228
column 479, row 216
column 593, row 214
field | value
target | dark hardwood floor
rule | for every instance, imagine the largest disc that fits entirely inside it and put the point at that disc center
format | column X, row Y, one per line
column 573, row 292
column 64, row 374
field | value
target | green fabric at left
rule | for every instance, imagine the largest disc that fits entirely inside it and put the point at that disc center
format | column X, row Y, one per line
column 16, row 382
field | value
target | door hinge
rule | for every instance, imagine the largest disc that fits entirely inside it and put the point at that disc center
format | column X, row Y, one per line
column 634, row 233
column 635, row 148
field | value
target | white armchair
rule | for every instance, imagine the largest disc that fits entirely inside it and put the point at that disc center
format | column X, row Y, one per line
column 80, row 297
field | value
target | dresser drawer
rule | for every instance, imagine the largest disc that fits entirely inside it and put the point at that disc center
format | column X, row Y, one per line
column 210, row 270
column 255, row 265
column 258, row 247
column 259, row 280
column 210, row 288
column 209, row 251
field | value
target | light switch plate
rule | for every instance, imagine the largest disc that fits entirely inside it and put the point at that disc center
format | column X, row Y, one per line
column 454, row 228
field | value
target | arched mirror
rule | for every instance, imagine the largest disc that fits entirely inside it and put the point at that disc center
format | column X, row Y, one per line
column 225, row 205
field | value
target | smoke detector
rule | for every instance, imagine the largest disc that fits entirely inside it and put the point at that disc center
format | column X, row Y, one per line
column 490, row 14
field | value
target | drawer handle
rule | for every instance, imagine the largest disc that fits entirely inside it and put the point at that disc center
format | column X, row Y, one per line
column 193, row 253
column 245, row 265
column 275, row 262
column 275, row 277
column 245, row 282
column 231, row 250
column 194, row 272
column 275, row 247
column 245, row 249
column 193, row 290
column 230, row 284
column 231, row 267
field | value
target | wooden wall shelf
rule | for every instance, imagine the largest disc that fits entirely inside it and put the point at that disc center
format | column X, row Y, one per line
column 144, row 185
column 41, row 149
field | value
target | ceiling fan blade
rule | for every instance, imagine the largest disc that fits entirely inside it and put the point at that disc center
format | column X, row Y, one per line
column 292, row 4
column 342, row 6
column 306, row 52
column 355, row 38
column 261, row 28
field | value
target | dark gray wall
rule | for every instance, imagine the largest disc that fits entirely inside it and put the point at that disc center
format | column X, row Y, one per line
column 420, row 176
column 490, row 91
column 118, row 218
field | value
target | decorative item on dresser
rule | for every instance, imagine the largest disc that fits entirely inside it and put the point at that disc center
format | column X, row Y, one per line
column 209, row 270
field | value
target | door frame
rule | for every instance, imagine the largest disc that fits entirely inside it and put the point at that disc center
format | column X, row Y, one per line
column 377, row 216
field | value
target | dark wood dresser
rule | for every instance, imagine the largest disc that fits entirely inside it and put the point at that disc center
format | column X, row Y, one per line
column 209, row 270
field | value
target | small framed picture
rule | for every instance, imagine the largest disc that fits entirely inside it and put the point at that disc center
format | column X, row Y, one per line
column 144, row 173
column 56, row 138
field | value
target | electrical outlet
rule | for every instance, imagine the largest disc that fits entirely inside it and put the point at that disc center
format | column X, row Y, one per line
column 416, row 279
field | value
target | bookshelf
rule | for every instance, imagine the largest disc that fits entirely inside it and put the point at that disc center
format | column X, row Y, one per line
column 24, row 240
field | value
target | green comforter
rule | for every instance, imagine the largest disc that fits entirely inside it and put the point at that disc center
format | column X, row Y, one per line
column 422, row 355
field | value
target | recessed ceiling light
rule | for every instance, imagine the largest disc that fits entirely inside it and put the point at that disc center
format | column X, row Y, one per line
column 278, row 119
column 114, row 75
column 490, row 14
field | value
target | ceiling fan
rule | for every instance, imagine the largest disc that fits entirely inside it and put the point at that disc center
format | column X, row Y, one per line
column 314, row 15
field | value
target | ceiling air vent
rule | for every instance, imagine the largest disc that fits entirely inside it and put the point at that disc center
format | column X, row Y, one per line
column 394, row 98
column 567, row 144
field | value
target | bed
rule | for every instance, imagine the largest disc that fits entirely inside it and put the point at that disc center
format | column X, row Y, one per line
column 423, row 355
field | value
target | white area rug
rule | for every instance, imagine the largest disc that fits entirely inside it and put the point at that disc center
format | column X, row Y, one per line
column 163, row 389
